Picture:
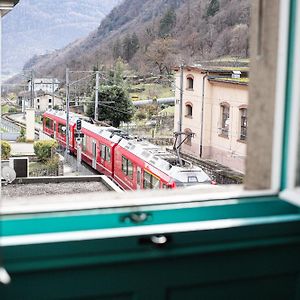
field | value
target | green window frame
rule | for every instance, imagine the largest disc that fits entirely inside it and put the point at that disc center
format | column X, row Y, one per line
column 88, row 238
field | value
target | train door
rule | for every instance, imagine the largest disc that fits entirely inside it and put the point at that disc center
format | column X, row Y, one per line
column 94, row 153
column 138, row 178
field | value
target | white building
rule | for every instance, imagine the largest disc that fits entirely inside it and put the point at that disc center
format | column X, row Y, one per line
column 48, row 85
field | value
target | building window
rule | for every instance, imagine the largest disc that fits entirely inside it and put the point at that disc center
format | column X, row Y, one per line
column 188, row 136
column 189, row 110
column 49, row 106
column 225, row 109
column 38, row 100
column 190, row 82
column 127, row 167
column 38, row 107
column 244, row 123
column 50, row 100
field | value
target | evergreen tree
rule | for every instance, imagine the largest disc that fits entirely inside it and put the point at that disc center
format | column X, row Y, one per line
column 213, row 8
column 167, row 23
column 117, row 49
column 130, row 46
column 114, row 105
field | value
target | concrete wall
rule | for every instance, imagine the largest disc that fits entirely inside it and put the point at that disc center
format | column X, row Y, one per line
column 262, row 93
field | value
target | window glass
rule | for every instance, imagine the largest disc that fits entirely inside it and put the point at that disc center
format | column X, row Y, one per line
column 225, row 119
column 102, row 150
column 150, row 181
column 61, row 129
column 244, row 124
column 127, row 167
column 107, row 153
column 189, row 110
column 190, row 83
column 84, row 143
column 49, row 123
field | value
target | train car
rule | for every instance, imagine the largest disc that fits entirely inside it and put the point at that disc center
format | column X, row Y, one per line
column 132, row 163
column 54, row 125
column 98, row 146
column 142, row 165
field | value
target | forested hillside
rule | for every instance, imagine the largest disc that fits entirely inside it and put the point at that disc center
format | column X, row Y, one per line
column 153, row 35
column 37, row 27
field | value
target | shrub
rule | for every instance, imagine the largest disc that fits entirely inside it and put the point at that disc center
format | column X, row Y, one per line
column 44, row 150
column 52, row 164
column 5, row 150
column 12, row 109
column 21, row 138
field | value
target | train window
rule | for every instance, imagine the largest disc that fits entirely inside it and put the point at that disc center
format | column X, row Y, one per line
column 150, row 181
column 105, row 153
column 127, row 167
column 84, row 143
column 48, row 123
column 61, row 129
column 102, row 151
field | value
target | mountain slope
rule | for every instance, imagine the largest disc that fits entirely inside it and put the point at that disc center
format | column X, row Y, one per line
column 38, row 27
column 153, row 35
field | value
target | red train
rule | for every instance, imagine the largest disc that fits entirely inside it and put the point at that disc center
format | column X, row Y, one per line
column 132, row 163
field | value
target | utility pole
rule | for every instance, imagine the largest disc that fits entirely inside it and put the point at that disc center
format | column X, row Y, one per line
column 53, row 92
column 31, row 90
column 67, row 113
column 180, row 105
column 97, row 96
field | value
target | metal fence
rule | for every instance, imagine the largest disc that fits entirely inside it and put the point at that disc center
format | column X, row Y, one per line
column 9, row 131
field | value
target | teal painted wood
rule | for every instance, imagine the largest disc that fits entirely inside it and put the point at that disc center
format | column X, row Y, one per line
column 289, row 85
column 102, row 219
column 248, row 262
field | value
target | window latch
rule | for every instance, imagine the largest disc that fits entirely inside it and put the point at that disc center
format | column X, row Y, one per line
column 4, row 276
column 136, row 218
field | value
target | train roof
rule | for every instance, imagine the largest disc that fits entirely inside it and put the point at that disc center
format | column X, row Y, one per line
column 165, row 161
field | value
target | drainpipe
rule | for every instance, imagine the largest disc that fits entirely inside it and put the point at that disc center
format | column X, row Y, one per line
column 202, row 114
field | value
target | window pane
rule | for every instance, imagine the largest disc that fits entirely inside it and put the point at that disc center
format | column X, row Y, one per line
column 129, row 168
column 108, row 154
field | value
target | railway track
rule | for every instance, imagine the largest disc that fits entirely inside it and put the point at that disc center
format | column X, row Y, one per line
column 7, row 117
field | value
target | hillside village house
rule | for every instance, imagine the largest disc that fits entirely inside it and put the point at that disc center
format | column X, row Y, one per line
column 214, row 114
column 48, row 85
column 42, row 101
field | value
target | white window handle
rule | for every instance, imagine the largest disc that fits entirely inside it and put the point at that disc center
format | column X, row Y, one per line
column 4, row 276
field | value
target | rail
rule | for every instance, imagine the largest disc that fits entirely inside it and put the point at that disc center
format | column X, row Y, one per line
column 7, row 117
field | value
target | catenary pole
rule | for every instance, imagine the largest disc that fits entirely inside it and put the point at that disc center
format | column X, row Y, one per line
column 67, row 113
column 97, row 96
column 180, row 105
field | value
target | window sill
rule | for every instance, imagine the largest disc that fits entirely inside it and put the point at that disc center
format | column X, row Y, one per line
column 188, row 116
column 90, row 201
column 292, row 196
column 189, row 89
column 242, row 141
column 222, row 135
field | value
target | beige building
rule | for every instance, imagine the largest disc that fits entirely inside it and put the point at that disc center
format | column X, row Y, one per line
column 42, row 101
column 214, row 114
